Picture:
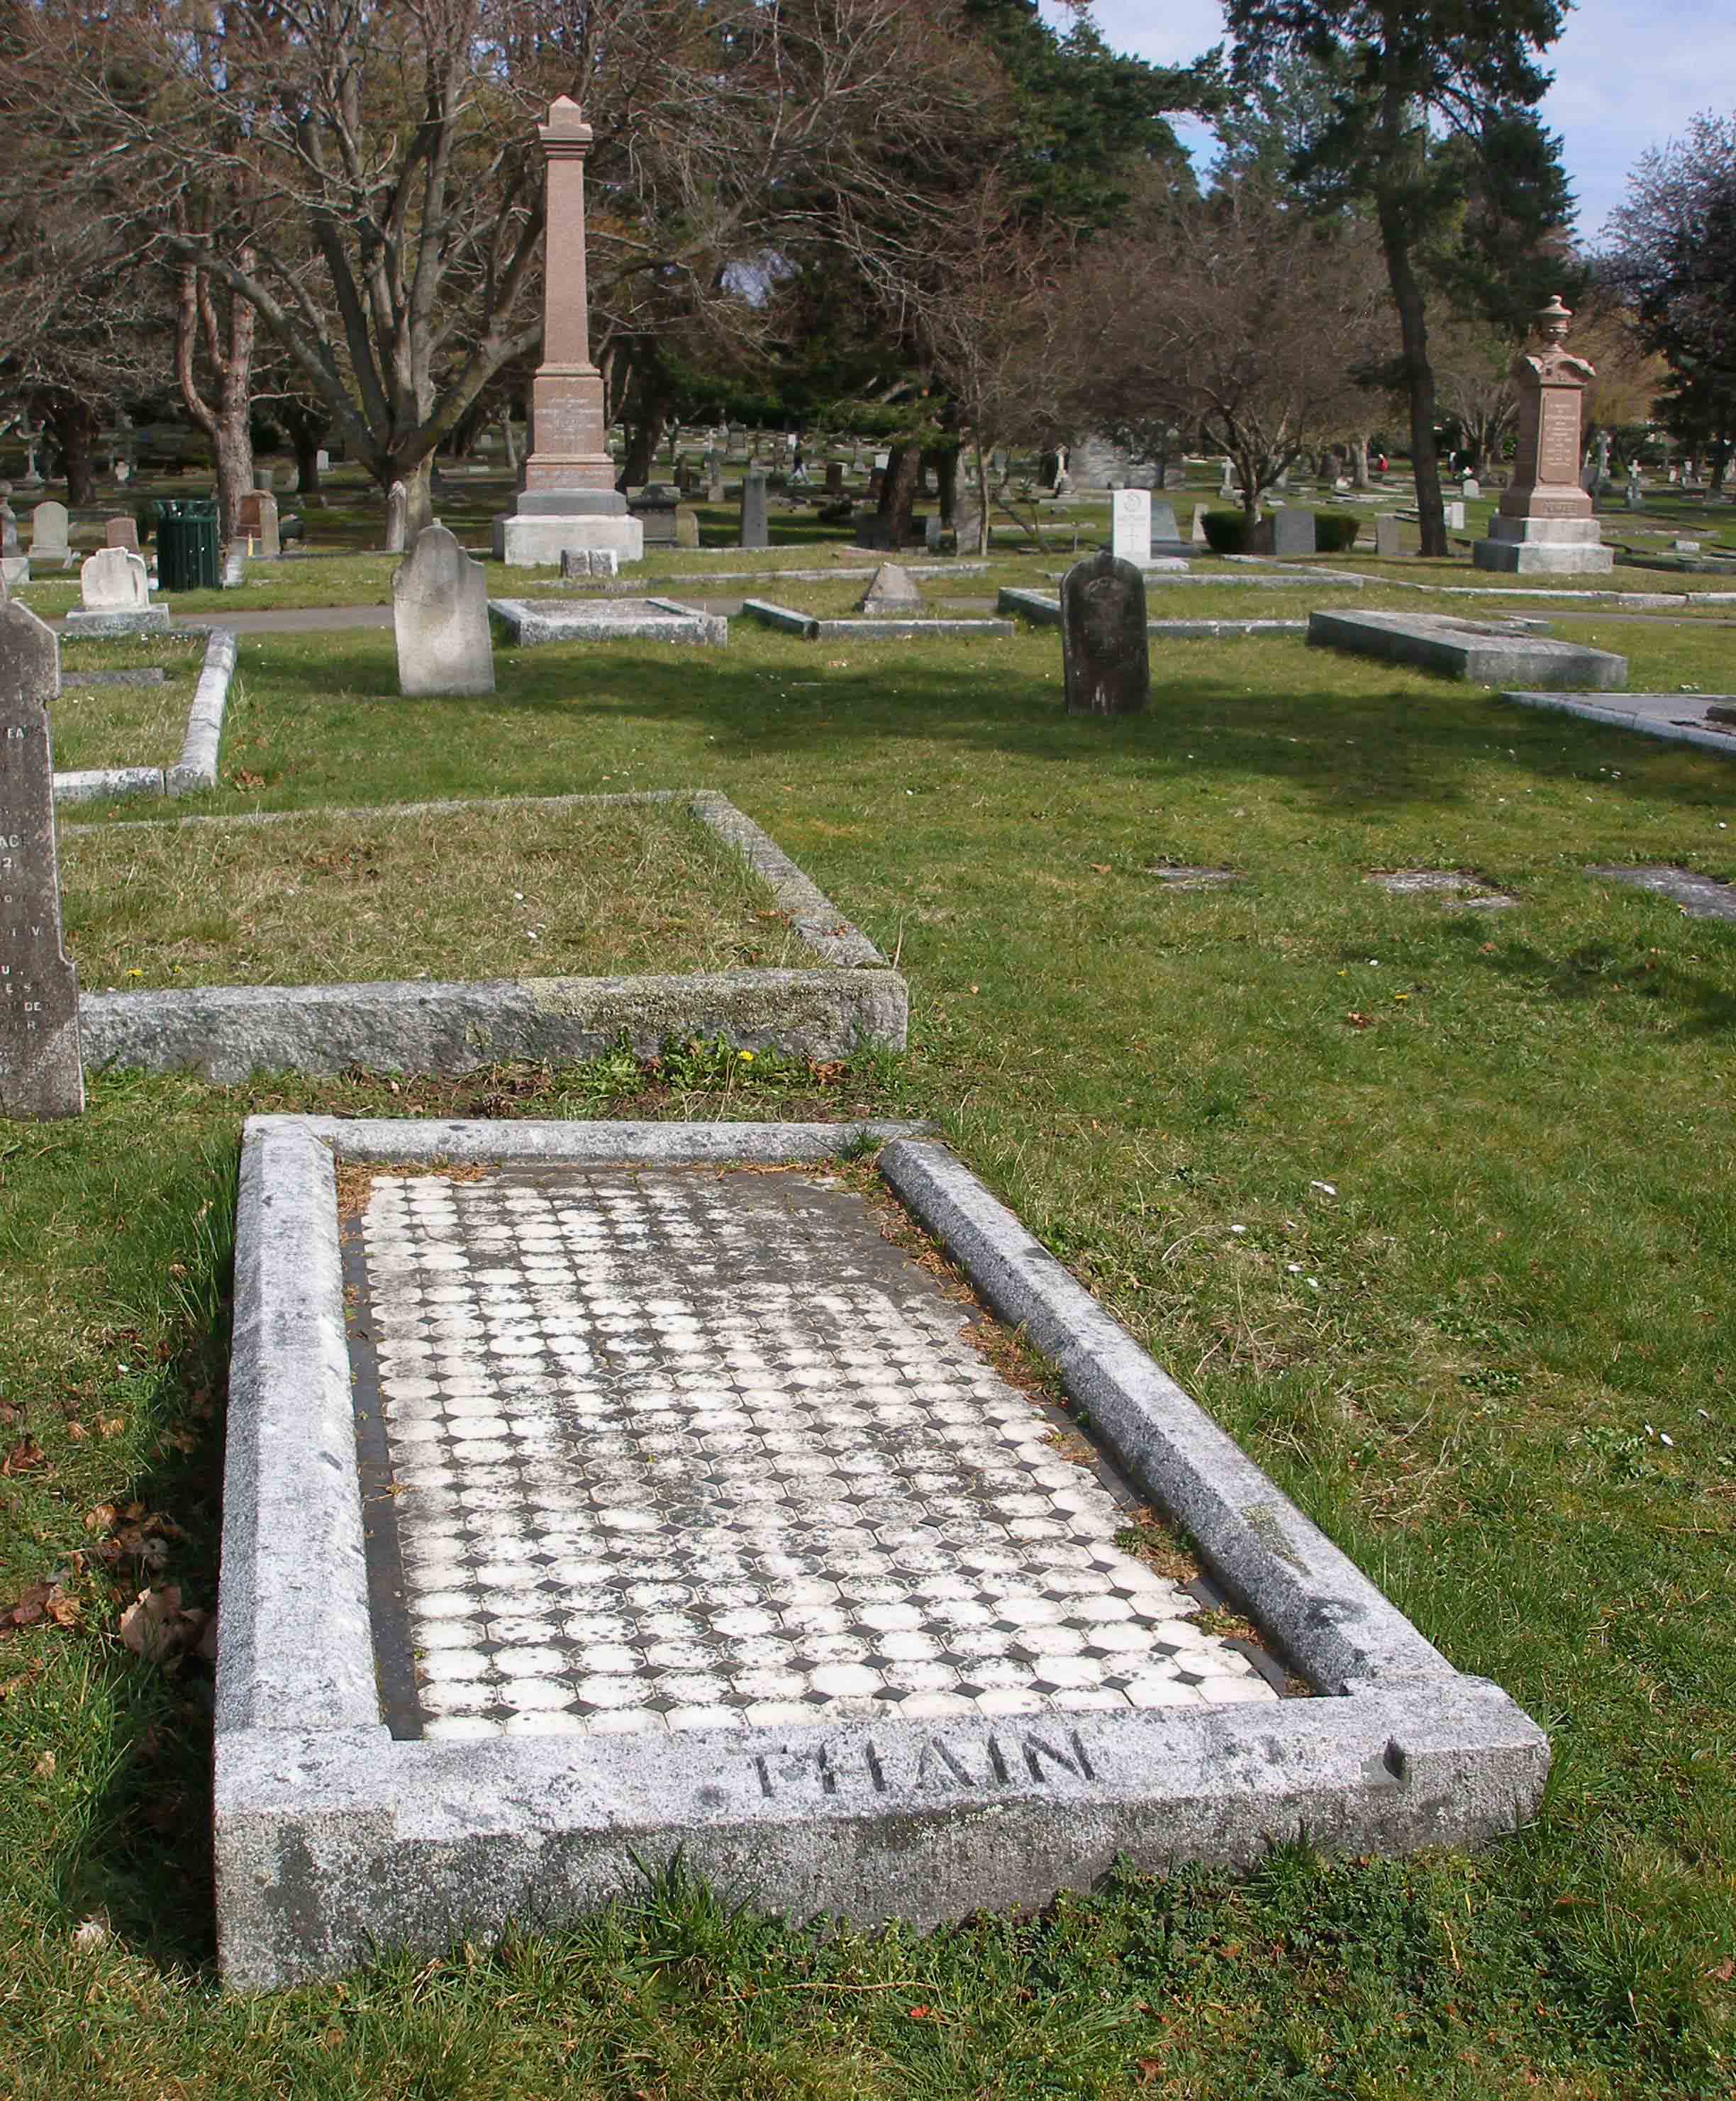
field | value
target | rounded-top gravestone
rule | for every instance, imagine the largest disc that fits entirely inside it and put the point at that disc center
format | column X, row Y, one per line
column 440, row 612
column 1105, row 653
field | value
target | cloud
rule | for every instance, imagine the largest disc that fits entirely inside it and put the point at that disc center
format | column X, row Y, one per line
column 1626, row 77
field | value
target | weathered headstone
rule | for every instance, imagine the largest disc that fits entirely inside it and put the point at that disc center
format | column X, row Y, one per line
column 1130, row 524
column 122, row 532
column 686, row 526
column 257, row 518
column 1387, row 542
column 440, row 612
column 397, row 517
column 755, row 532
column 1164, row 526
column 1292, row 531
column 322, row 461
column 931, row 531
column 41, row 1073
column 967, row 521
column 834, row 477
column 261, row 477
column 1197, row 536
column 713, row 477
column 1455, row 512
column 587, row 562
column 655, row 507
column 892, row 589
column 1470, row 489
column 113, row 580
column 9, row 540
column 1105, row 654
column 48, row 534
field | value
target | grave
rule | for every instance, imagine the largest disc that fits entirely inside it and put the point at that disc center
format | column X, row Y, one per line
column 256, row 519
column 655, row 507
column 1545, row 521
column 122, row 532
column 577, row 562
column 1457, row 892
column 1178, row 875
column 116, row 591
column 1106, row 660
column 1165, row 532
column 1484, row 652
column 1699, row 897
column 40, row 1072
column 587, row 1503
column 891, row 588
column 686, row 526
column 49, row 523
column 1287, row 534
column 863, row 627
column 753, row 531
column 1705, row 720
column 440, row 618
column 529, row 623
column 1388, row 538
column 568, row 499
column 1130, row 524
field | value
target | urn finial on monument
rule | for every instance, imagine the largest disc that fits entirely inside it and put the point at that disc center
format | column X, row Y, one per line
column 568, row 500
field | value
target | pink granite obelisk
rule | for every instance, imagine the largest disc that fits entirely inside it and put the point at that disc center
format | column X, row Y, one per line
column 1546, row 522
column 568, row 499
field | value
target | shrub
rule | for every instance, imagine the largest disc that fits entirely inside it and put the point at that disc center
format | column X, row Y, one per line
column 1228, row 532
column 1335, row 531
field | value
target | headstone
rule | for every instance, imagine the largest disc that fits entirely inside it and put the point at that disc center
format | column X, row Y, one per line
column 967, row 522
column 397, row 517
column 713, row 477
column 123, row 472
column 1470, row 489
column 834, row 477
column 1227, row 487
column 114, row 581
column 121, row 532
column 257, row 520
column 440, row 612
column 1684, row 546
column 1130, row 524
column 686, row 526
column 1387, row 543
column 33, row 474
column 1455, row 516
column 234, row 565
column 883, row 461
column 261, row 477
column 1292, row 530
column 322, row 461
column 655, row 507
column 1197, row 536
column 893, row 589
column 1164, row 526
column 754, row 529
column 588, row 562
column 1105, row 653
column 931, row 531
column 40, row 1073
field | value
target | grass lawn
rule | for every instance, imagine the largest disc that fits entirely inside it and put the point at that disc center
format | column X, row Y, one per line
column 100, row 726
column 490, row 890
column 1435, row 1210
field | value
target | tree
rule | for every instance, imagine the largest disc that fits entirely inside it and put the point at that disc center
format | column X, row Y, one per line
column 1437, row 96
column 1237, row 315
column 1674, row 259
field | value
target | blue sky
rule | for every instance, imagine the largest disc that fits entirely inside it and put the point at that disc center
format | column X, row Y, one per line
column 1628, row 75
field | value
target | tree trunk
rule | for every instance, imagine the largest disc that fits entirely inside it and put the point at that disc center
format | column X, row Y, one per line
column 304, row 433
column 73, row 423
column 1359, row 462
column 509, row 440
column 418, row 483
column 946, row 480
column 225, row 418
column 898, row 494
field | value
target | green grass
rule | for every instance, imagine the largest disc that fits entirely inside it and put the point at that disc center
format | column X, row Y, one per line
column 490, row 890
column 105, row 726
column 1520, row 1288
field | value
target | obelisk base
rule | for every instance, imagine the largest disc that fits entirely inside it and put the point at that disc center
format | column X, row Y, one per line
column 548, row 521
column 1543, row 546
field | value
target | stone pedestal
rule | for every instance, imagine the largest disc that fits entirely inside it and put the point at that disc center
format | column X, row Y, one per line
column 569, row 499
column 1545, row 525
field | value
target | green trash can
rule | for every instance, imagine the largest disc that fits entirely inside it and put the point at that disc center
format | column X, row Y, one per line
column 186, row 544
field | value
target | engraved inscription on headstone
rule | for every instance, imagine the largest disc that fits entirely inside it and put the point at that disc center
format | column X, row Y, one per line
column 41, row 1074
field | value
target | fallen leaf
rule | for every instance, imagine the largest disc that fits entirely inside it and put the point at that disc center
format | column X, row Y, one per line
column 100, row 1519
column 77, row 1433
column 1360, row 1020
column 1100, row 868
column 44, row 1767
column 158, row 1628
column 109, row 1425
column 9, row 1413
column 63, row 1608
column 25, row 1454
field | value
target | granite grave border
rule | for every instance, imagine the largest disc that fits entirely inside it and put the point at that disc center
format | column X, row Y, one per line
column 334, row 1841
column 529, row 623
column 1043, row 610
column 869, row 627
column 196, row 767
column 1665, row 717
column 854, row 999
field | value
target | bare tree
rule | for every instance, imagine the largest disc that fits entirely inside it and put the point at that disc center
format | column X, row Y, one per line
column 1235, row 314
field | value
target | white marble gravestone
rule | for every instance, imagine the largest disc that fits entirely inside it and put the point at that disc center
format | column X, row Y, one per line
column 1130, row 516
column 440, row 612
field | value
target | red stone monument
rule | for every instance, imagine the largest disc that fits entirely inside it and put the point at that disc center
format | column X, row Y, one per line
column 1545, row 522
column 568, row 499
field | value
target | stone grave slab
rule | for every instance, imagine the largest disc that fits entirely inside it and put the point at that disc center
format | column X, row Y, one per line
column 1700, row 896
column 1179, row 876
column 586, row 1500
column 1458, row 892
column 532, row 622
column 40, row 1072
column 1696, row 719
column 1484, row 652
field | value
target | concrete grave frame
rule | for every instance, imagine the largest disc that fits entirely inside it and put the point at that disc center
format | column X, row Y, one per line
column 853, row 999
column 1672, row 717
column 335, row 1839
column 528, row 623
column 1043, row 610
column 869, row 627
column 196, row 767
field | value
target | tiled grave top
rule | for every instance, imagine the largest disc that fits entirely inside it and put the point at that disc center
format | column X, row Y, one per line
column 681, row 1450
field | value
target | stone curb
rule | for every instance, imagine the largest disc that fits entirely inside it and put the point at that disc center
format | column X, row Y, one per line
column 334, row 1841
column 1330, row 1620
column 867, row 628
column 530, row 623
column 813, row 915
column 196, row 767
column 1462, row 650
column 1615, row 714
column 225, row 1033
column 1043, row 611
